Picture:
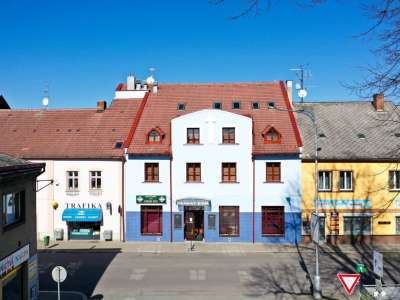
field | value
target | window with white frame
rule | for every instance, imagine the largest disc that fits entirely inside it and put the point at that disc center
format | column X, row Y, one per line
column 357, row 225
column 95, row 180
column 13, row 208
column 72, row 180
column 394, row 180
column 324, row 180
column 346, row 180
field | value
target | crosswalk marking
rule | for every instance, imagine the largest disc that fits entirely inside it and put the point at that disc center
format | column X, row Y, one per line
column 197, row 274
column 137, row 274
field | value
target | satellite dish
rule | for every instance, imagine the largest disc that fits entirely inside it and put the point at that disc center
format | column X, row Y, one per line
column 45, row 101
column 298, row 86
column 302, row 93
column 150, row 80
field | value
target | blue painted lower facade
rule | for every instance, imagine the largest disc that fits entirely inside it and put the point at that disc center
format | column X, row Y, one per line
column 292, row 229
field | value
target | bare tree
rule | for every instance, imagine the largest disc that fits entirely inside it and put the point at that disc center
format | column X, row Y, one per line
column 384, row 75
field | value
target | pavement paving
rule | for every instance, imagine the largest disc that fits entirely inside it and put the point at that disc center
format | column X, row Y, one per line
column 231, row 273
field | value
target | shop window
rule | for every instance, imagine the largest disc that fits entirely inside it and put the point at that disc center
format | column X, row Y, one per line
column 346, row 180
column 13, row 208
column 229, row 220
column 357, row 225
column 398, row 225
column 228, row 135
column 193, row 172
column 394, row 180
column 324, row 180
column 273, row 220
column 228, row 172
column 72, row 180
column 151, row 172
column 273, row 172
column 95, row 180
column 193, row 135
column 151, row 220
column 271, row 135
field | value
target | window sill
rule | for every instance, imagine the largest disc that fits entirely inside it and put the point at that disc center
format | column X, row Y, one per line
column 394, row 190
column 229, row 235
column 187, row 144
column 13, row 225
column 322, row 191
column 229, row 182
column 280, row 182
column 189, row 182
column 228, row 144
column 346, row 191
column 273, row 235
column 95, row 192
column 151, row 182
column 72, row 192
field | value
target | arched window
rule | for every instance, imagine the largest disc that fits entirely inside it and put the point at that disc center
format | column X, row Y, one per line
column 155, row 136
column 271, row 135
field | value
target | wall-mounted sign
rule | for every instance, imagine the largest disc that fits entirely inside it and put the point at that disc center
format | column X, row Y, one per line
column 193, row 202
column 345, row 204
column 83, row 205
column 151, row 199
column 14, row 260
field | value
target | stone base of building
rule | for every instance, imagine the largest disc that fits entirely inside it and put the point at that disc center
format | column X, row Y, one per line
column 366, row 239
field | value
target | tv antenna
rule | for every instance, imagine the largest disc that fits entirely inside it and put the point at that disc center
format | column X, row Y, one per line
column 301, row 73
column 45, row 100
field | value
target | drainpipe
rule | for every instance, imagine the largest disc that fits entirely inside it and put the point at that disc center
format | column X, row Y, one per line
column 170, row 199
column 254, row 199
column 122, row 219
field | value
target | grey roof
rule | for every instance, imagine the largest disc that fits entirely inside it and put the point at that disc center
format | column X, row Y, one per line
column 351, row 131
column 9, row 161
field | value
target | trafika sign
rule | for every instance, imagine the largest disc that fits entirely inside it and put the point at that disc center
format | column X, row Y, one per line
column 349, row 281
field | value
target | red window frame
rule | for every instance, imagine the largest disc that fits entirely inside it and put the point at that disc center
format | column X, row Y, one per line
column 193, row 172
column 151, row 172
column 229, row 221
column 272, row 136
column 193, row 135
column 228, row 172
column 273, row 172
column 273, row 220
column 228, row 135
column 151, row 220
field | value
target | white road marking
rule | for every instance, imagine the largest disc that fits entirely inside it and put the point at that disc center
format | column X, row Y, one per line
column 137, row 274
column 197, row 274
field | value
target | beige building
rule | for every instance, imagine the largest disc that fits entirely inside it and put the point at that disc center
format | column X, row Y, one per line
column 18, row 257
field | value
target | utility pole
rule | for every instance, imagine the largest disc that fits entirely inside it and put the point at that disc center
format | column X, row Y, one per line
column 300, row 72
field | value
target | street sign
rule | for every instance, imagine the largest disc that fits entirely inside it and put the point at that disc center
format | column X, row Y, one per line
column 378, row 263
column 59, row 274
column 360, row 268
column 349, row 281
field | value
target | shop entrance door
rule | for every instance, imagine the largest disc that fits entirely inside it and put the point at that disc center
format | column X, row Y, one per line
column 194, row 223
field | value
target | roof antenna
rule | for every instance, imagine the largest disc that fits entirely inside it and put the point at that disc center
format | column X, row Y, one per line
column 151, row 80
column 301, row 74
column 45, row 100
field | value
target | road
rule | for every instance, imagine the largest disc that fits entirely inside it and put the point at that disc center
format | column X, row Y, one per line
column 115, row 275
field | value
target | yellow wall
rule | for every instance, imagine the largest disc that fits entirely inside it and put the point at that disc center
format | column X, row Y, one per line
column 370, row 181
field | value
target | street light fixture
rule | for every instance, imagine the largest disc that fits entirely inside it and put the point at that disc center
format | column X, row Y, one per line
column 310, row 114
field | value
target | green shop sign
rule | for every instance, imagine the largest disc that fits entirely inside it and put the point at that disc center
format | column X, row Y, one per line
column 151, row 199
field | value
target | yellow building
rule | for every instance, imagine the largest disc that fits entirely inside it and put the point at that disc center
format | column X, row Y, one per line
column 359, row 171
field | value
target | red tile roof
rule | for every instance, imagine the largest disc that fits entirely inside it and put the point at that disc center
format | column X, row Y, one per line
column 66, row 133
column 157, row 110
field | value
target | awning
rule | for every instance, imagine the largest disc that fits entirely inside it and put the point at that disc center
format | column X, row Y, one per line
column 193, row 202
column 82, row 215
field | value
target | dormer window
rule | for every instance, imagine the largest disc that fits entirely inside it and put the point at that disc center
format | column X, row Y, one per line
column 271, row 135
column 155, row 136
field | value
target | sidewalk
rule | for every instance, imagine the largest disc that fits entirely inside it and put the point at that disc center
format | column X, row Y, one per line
column 198, row 247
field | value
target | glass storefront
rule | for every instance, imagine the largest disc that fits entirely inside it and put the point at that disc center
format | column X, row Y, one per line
column 84, row 230
column 13, row 285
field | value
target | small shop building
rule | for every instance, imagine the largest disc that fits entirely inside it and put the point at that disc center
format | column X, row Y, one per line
column 18, row 256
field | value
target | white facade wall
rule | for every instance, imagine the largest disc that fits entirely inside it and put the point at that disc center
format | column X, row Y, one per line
column 48, row 219
column 211, row 153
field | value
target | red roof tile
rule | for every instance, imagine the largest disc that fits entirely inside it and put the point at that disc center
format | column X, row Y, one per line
column 66, row 133
column 160, row 108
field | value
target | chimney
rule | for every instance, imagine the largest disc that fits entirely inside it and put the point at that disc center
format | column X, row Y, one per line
column 101, row 106
column 379, row 101
column 289, row 89
column 130, row 83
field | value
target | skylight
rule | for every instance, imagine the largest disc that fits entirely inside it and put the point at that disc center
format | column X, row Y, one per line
column 361, row 136
column 236, row 105
column 217, row 105
column 255, row 105
column 271, row 104
column 118, row 145
column 181, row 106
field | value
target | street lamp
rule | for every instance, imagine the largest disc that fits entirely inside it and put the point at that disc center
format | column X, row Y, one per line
column 310, row 114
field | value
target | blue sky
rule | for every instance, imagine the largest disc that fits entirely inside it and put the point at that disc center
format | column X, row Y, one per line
column 85, row 48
